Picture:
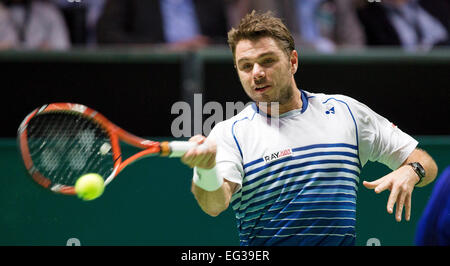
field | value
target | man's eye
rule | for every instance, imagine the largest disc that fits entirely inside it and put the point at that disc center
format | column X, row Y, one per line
column 246, row 66
column 268, row 61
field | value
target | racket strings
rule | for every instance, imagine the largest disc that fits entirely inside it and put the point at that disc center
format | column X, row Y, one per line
column 63, row 146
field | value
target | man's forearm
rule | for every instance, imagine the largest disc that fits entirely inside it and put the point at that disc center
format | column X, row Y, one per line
column 213, row 202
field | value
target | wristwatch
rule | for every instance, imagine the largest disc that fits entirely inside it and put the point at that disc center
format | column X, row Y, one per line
column 420, row 171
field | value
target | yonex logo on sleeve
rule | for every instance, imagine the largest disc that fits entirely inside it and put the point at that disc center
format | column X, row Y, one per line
column 277, row 155
column 329, row 109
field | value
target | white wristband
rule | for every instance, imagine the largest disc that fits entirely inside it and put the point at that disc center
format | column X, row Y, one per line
column 207, row 179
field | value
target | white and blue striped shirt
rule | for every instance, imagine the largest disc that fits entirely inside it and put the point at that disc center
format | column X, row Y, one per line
column 298, row 181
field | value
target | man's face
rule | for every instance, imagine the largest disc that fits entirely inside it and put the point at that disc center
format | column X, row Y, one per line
column 265, row 71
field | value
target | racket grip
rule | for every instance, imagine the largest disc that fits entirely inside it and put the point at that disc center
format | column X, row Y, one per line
column 179, row 148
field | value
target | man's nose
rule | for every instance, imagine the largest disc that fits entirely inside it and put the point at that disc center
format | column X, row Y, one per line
column 258, row 72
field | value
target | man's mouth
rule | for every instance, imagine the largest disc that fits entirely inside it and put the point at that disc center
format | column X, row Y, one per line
column 262, row 88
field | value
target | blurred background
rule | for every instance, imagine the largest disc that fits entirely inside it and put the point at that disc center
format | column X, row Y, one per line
column 132, row 60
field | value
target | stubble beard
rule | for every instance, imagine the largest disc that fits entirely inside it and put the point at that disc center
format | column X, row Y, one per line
column 282, row 96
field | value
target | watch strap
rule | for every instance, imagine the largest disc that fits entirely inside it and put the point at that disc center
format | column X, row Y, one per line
column 420, row 171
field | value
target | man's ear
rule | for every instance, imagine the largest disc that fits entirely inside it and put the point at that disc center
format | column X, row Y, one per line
column 294, row 61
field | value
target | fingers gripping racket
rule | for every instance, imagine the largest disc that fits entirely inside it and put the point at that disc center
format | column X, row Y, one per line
column 60, row 142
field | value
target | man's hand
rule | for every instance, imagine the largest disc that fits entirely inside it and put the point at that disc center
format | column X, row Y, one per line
column 401, row 183
column 202, row 158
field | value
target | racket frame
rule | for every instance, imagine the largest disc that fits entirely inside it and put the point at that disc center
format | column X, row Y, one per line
column 115, row 133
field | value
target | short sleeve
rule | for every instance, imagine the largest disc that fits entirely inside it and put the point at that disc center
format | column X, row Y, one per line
column 379, row 139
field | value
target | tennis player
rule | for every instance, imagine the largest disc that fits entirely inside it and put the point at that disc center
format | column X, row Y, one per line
column 296, row 184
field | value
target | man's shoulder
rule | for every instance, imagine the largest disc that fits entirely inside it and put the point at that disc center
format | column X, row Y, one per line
column 247, row 113
column 318, row 99
column 324, row 97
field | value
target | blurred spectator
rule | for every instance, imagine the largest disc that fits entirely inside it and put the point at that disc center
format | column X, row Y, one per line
column 412, row 24
column 237, row 9
column 183, row 24
column 326, row 25
column 7, row 34
column 32, row 24
column 321, row 25
column 434, row 226
column 81, row 18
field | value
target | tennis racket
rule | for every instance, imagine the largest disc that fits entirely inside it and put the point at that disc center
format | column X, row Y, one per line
column 59, row 142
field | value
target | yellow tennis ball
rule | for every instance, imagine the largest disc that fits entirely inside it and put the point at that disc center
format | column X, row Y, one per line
column 89, row 186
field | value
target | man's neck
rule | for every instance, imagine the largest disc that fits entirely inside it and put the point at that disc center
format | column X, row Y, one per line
column 276, row 109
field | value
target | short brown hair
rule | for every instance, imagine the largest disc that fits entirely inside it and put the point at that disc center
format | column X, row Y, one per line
column 256, row 25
